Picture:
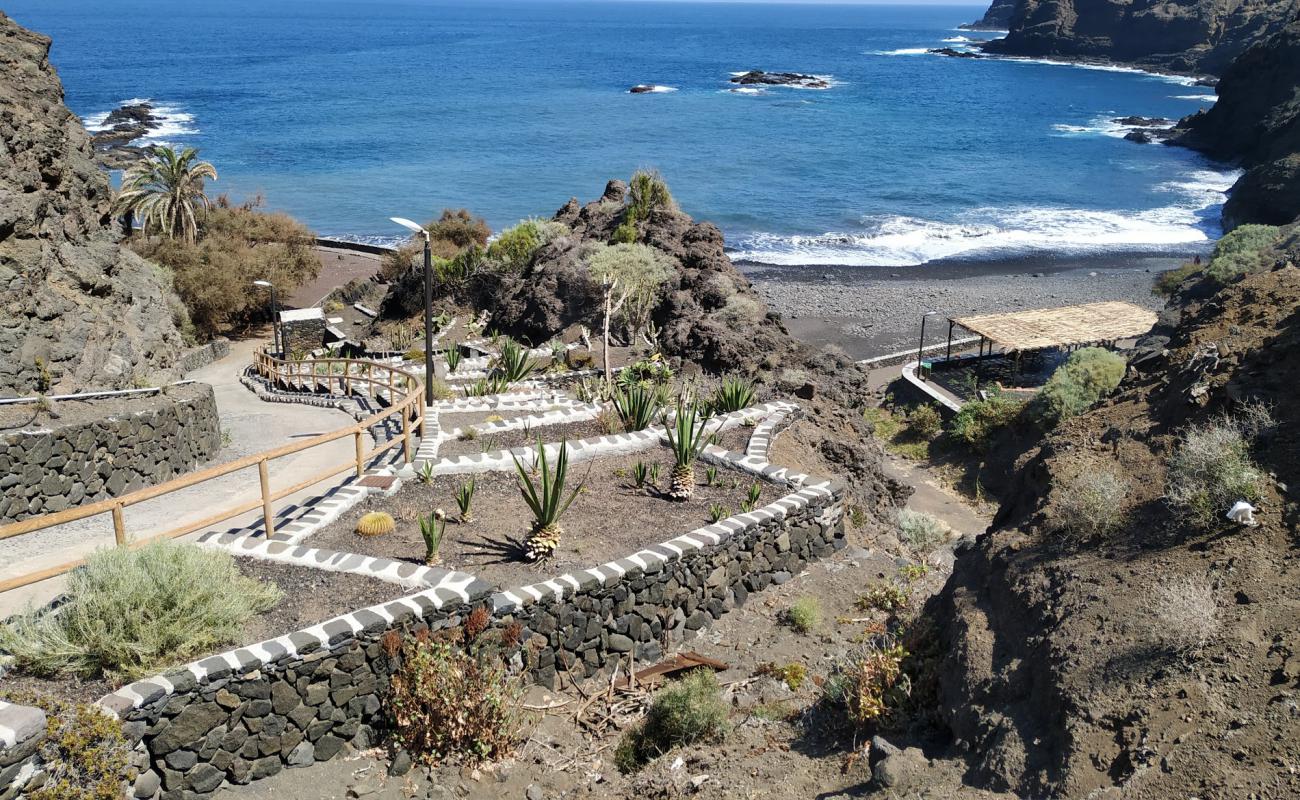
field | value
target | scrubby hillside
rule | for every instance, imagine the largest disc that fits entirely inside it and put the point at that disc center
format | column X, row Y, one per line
column 1257, row 121
column 535, row 282
column 1185, row 35
column 1114, row 629
column 76, row 310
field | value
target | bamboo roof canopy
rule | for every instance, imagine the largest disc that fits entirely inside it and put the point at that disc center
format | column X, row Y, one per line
column 1061, row 327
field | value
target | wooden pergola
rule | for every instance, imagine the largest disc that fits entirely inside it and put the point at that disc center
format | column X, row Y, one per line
column 1065, row 327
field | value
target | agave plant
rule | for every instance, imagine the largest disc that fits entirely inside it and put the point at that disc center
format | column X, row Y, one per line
column 465, row 499
column 711, row 475
column 686, row 439
column 544, row 496
column 453, row 359
column 637, row 406
column 717, row 512
column 426, row 473
column 639, row 474
column 733, row 394
column 513, row 363
column 432, row 530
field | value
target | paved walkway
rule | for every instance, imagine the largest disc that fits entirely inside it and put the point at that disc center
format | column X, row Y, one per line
column 250, row 425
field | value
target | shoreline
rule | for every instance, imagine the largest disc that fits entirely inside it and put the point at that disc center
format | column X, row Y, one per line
column 872, row 311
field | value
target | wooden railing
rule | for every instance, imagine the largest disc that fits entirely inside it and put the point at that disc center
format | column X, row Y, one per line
column 406, row 397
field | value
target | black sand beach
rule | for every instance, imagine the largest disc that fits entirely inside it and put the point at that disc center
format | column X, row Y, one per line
column 871, row 311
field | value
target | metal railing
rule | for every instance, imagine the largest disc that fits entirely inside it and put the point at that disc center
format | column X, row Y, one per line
column 406, row 398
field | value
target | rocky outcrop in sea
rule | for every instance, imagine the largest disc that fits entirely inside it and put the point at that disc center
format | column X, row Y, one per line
column 116, row 141
column 757, row 77
column 77, row 311
column 1181, row 35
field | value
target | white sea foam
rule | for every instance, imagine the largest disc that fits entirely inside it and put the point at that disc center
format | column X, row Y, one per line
column 1185, row 225
column 1199, row 98
column 747, row 90
column 905, row 51
column 1181, row 80
column 1104, row 126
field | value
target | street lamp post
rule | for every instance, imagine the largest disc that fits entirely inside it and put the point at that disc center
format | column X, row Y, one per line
column 920, row 348
column 428, row 306
column 275, row 330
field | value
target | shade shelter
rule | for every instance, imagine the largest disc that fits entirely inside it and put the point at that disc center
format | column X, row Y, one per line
column 1064, row 327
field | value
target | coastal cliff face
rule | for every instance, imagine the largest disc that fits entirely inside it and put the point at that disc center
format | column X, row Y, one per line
column 1257, row 121
column 1182, row 35
column 1157, row 659
column 997, row 18
column 77, row 310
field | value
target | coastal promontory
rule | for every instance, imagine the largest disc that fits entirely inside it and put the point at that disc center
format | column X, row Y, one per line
column 76, row 309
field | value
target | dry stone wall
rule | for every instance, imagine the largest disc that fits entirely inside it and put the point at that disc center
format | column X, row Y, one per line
column 92, row 456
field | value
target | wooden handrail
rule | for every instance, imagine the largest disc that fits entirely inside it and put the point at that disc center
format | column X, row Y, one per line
column 274, row 370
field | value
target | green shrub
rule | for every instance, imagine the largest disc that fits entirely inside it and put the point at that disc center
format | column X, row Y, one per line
column 921, row 531
column 805, row 614
column 653, row 371
column 637, row 406
column 454, row 233
column 85, row 755
column 1245, row 250
column 514, row 248
column 980, row 420
column 625, row 233
column 1168, row 281
column 450, row 701
column 130, row 612
column 1211, row 469
column 924, row 422
column 1089, row 500
column 685, row 711
column 1086, row 376
column 647, row 193
column 733, row 394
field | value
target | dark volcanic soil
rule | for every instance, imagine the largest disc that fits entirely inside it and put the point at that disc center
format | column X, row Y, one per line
column 487, row 442
column 609, row 519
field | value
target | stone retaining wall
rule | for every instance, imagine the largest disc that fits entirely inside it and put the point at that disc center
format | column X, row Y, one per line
column 22, row 729
column 203, row 355
column 87, row 456
column 301, row 698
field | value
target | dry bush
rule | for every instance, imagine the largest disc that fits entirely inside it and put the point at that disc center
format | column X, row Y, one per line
column 237, row 245
column 1211, row 467
column 1186, row 615
column 869, row 681
column 1086, row 376
column 921, row 531
column 804, row 614
column 448, row 701
column 1089, row 500
column 454, row 232
column 130, row 612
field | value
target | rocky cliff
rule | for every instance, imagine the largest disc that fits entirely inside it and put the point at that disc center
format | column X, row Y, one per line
column 1182, row 35
column 997, row 18
column 1257, row 122
column 76, row 310
column 1158, row 658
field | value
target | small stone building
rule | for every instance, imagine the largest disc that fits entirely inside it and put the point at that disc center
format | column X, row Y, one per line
column 303, row 329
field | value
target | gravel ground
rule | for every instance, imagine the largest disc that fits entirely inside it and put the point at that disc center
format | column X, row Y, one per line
column 871, row 311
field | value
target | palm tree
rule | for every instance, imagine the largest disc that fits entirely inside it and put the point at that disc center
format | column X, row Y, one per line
column 166, row 190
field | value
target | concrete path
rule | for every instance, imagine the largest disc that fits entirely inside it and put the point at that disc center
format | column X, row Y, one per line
column 250, row 426
column 935, row 499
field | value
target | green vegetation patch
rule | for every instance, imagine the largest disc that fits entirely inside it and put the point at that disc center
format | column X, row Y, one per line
column 685, row 711
column 1086, row 376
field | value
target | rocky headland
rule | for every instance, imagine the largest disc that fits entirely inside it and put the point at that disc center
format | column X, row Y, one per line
column 997, row 18
column 1192, row 36
column 77, row 311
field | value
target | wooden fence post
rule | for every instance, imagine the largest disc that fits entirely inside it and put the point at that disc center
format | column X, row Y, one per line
column 119, row 526
column 361, row 465
column 268, row 519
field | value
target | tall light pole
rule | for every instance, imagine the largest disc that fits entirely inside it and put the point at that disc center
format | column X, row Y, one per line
column 920, row 348
column 275, row 330
column 428, row 306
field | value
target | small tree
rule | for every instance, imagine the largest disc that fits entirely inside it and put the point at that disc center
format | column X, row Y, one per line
column 166, row 189
column 630, row 276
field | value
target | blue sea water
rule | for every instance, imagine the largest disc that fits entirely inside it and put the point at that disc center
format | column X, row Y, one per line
column 346, row 112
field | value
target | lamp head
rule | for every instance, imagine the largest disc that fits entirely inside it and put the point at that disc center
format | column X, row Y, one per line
column 410, row 226
column 263, row 284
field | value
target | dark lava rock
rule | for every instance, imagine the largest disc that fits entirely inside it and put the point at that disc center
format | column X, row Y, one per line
column 1139, row 136
column 761, row 78
column 1143, row 122
column 997, row 18
column 72, row 302
column 641, row 88
column 951, row 53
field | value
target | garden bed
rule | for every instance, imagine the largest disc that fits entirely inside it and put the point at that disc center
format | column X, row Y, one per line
column 311, row 596
column 607, row 520
column 518, row 437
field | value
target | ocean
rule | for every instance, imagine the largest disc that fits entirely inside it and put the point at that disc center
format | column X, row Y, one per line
column 344, row 113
